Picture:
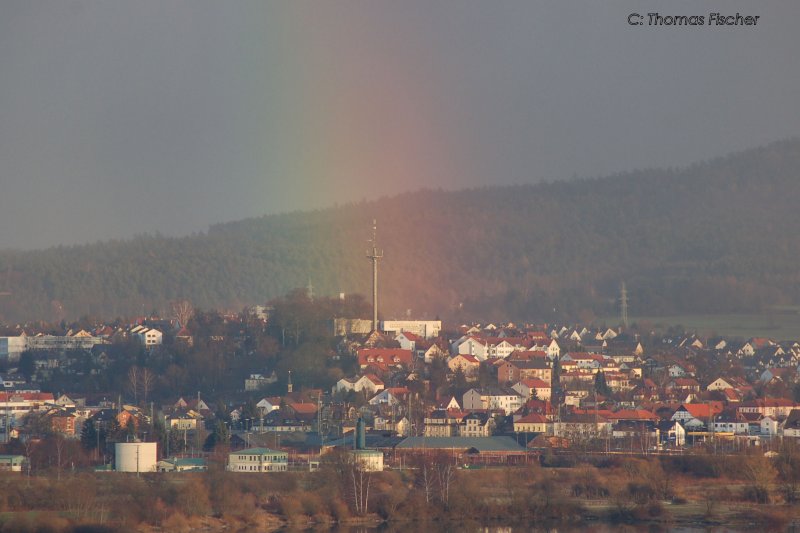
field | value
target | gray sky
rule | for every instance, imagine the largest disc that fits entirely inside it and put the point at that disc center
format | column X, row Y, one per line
column 120, row 117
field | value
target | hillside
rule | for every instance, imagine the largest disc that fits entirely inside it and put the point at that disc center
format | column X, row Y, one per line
column 723, row 235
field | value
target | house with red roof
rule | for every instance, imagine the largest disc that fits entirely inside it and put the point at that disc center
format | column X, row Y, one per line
column 774, row 407
column 384, row 359
column 391, row 396
column 408, row 341
column 524, row 355
column 532, row 423
column 512, row 370
column 777, row 374
column 683, row 385
column 530, row 386
column 468, row 364
column 634, row 415
column 304, row 411
column 694, row 415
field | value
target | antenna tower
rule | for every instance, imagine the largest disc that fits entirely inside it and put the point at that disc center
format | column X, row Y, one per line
column 374, row 255
column 310, row 290
column 623, row 298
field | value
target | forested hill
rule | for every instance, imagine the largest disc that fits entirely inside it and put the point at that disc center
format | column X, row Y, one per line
column 718, row 236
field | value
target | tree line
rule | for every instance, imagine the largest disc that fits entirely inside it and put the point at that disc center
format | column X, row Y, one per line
column 721, row 236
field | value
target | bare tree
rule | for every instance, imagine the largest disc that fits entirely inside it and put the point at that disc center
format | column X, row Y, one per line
column 760, row 474
column 133, row 383
column 425, row 478
column 146, row 380
column 183, row 311
column 445, row 472
column 58, row 444
column 362, row 480
column 353, row 478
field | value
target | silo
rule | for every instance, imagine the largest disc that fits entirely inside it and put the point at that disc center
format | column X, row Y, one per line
column 135, row 456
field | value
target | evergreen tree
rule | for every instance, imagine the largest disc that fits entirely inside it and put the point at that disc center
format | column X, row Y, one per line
column 219, row 437
column 600, row 385
column 89, row 436
column 130, row 429
column 27, row 365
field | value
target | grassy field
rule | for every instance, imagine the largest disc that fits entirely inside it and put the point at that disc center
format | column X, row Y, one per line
column 779, row 323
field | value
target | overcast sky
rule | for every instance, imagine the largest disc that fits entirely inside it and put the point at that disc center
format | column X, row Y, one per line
column 124, row 117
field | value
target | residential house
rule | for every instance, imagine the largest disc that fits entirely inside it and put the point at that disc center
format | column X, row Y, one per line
column 531, row 423
column 533, row 387
column 676, row 371
column 183, row 420
column 791, row 426
column 785, row 374
column 402, row 427
column 368, row 383
column 671, row 433
column 768, row 427
column 407, row 340
column 301, row 411
column 185, row 337
column 696, row 415
column 148, row 337
column 683, row 385
column 730, row 421
column 491, row 398
column 62, row 422
column 512, row 371
column 267, row 405
column 15, row 405
column 429, row 353
column 443, row 423
column 477, row 425
column 580, row 427
column 383, row 359
column 259, row 381
column 774, row 407
column 392, row 396
column 468, row 364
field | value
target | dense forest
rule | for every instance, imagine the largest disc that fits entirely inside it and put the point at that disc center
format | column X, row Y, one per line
column 719, row 236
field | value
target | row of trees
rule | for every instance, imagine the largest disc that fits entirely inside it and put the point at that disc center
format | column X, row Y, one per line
column 431, row 489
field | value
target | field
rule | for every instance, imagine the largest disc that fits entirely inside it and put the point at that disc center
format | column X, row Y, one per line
column 779, row 323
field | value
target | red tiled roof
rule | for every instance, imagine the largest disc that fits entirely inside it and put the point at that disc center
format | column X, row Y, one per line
column 702, row 410
column 303, row 408
column 633, row 414
column 535, row 383
column 527, row 354
column 374, row 379
column 27, row 396
column 467, row 357
column 533, row 418
column 383, row 358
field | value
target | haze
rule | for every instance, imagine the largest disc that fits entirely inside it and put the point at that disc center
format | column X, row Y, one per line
column 118, row 118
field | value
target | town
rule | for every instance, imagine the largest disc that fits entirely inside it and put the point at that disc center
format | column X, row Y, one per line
column 288, row 386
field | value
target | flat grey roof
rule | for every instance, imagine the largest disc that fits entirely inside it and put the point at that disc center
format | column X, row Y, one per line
column 482, row 444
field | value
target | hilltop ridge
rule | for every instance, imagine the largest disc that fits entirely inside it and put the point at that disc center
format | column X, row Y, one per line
column 721, row 235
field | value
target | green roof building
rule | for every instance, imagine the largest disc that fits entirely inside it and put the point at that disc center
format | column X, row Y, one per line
column 258, row 460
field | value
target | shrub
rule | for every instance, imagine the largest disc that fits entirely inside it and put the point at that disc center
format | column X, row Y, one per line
column 291, row 507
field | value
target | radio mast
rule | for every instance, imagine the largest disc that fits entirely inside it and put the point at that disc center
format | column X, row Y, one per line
column 374, row 255
column 623, row 299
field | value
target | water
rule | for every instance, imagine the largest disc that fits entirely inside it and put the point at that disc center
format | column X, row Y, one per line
column 471, row 527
